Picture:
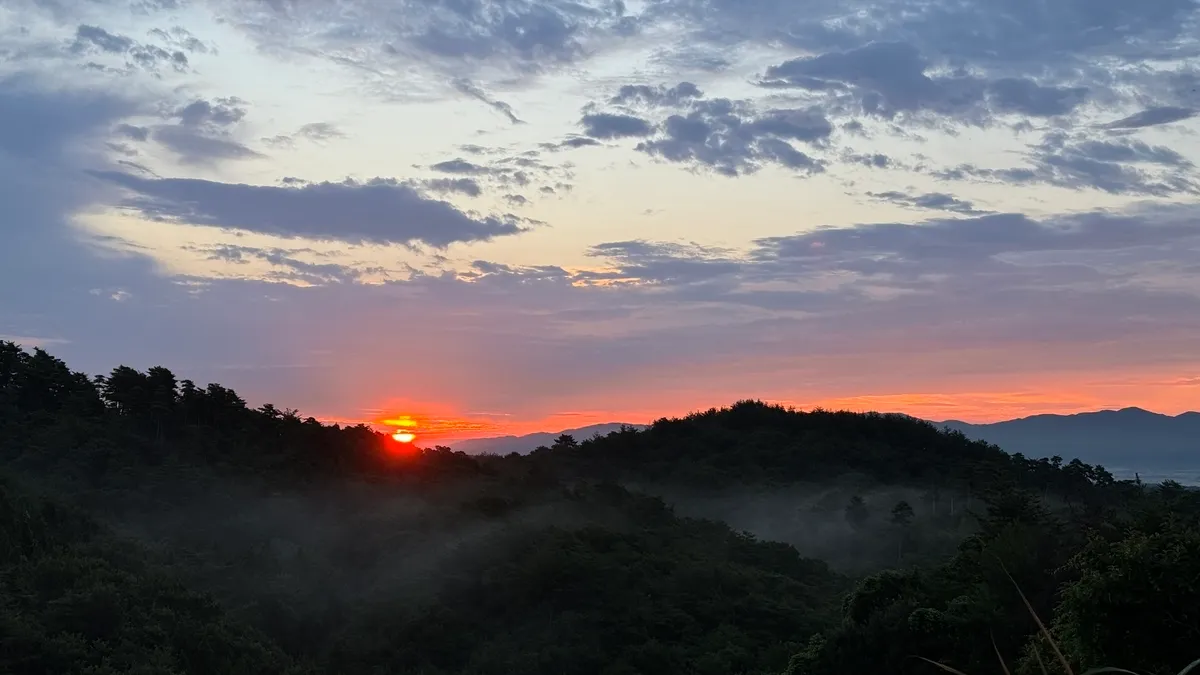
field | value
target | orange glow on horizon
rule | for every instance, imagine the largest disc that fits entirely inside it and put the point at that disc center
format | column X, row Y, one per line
column 974, row 400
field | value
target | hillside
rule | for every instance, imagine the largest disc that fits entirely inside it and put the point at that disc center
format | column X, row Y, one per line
column 1127, row 440
column 294, row 546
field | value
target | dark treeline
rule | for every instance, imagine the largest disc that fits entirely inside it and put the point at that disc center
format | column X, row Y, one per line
column 149, row 525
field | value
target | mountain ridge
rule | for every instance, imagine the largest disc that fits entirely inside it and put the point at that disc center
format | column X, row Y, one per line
column 1160, row 441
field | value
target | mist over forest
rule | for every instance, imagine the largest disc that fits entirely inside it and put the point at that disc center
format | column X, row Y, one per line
column 152, row 525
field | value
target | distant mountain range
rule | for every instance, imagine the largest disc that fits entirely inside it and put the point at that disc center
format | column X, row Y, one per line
column 1124, row 441
column 503, row 445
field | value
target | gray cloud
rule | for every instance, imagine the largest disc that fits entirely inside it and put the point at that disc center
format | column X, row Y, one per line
column 938, row 201
column 181, row 38
column 317, row 132
column 1006, row 36
column 1151, row 117
column 94, row 40
column 89, row 38
column 608, row 126
column 320, row 131
column 891, row 78
column 875, row 160
column 381, row 211
column 200, row 147
column 47, row 134
column 1117, row 166
column 221, row 112
column 509, row 172
column 474, row 91
column 656, row 96
column 663, row 262
column 200, row 132
column 949, row 289
column 292, row 269
column 962, row 243
column 457, row 36
column 460, row 166
column 134, row 133
column 570, row 143
column 466, row 186
column 34, row 124
column 732, row 138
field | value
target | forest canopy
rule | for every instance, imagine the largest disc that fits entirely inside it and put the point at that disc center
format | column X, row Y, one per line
column 150, row 524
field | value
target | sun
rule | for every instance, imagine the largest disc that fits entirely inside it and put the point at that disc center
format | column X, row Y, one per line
column 404, row 437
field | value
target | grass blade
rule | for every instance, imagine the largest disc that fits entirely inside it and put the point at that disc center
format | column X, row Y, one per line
column 1109, row 669
column 1191, row 666
column 943, row 666
column 999, row 657
column 1041, row 626
column 1037, row 654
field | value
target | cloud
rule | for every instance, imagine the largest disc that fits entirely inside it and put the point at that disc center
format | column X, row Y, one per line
column 958, row 297
column 129, row 131
column 656, row 96
column 1151, row 117
column 317, row 132
column 1116, row 166
column 194, row 146
column 730, row 137
column 466, row 186
column 93, row 40
column 379, row 211
column 733, row 138
column 459, row 166
column 47, row 135
column 508, row 171
column 222, row 112
column 202, row 131
column 1006, row 36
column 181, row 38
column 285, row 263
column 887, row 79
column 570, row 143
column 523, row 36
column 320, row 131
column 938, row 201
column 663, row 262
column 875, row 160
column 474, row 91
column 34, row 124
column 608, row 126
column 960, row 245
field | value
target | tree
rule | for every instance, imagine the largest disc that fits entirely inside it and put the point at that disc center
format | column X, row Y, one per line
column 565, row 442
column 1135, row 604
column 857, row 513
column 902, row 516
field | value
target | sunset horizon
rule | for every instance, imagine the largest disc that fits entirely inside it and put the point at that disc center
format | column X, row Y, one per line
column 508, row 216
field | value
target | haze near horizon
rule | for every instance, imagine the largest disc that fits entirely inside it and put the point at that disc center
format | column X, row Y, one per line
column 504, row 216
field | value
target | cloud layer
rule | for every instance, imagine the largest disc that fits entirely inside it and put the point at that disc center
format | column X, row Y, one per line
column 377, row 211
column 819, row 201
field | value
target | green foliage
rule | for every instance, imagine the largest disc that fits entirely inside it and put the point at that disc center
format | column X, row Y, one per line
column 73, row 602
column 194, row 534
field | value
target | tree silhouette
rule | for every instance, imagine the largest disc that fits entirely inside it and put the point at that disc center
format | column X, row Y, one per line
column 857, row 513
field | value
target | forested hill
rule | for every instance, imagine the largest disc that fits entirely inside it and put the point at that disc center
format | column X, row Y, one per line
column 151, row 525
column 752, row 443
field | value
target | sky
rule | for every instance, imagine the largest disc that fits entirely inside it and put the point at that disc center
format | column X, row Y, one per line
column 502, row 216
